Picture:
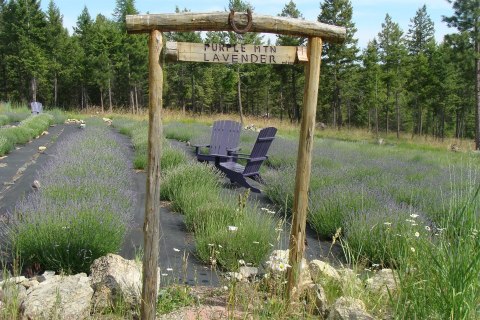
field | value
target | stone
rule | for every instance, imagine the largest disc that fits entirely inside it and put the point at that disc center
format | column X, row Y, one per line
column 12, row 280
column 317, row 295
column 59, row 297
column 42, row 148
column 383, row 281
column 12, row 292
column 46, row 275
column 305, row 274
column 320, row 268
column 248, row 272
column 114, row 277
column 36, row 184
column 27, row 284
column 346, row 308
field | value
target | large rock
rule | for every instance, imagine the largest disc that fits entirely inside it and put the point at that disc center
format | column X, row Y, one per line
column 346, row 308
column 320, row 268
column 113, row 278
column 383, row 281
column 318, row 296
column 59, row 297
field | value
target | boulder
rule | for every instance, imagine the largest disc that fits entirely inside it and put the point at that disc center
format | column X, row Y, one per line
column 346, row 308
column 113, row 278
column 59, row 297
column 320, row 268
column 317, row 295
column 305, row 274
column 383, row 281
column 46, row 275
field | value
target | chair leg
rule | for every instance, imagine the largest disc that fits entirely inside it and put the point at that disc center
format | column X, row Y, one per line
column 258, row 178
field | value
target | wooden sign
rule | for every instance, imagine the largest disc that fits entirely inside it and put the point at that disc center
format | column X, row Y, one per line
column 234, row 53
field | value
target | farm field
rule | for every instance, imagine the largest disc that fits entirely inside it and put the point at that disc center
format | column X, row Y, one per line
column 405, row 207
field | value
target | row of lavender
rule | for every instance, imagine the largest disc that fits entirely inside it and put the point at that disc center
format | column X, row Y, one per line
column 83, row 208
column 415, row 210
column 359, row 186
column 226, row 230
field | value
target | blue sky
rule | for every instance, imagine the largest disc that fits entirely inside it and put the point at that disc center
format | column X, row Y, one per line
column 368, row 15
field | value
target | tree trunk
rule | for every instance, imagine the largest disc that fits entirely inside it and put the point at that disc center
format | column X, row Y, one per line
column 101, row 100
column 193, row 94
column 348, row 111
column 55, row 90
column 34, row 89
column 397, row 107
column 110, row 106
column 136, row 100
column 239, row 94
column 281, row 104
column 132, row 101
column 477, row 85
column 296, row 109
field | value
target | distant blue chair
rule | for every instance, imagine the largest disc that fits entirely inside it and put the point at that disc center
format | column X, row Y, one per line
column 225, row 136
column 238, row 173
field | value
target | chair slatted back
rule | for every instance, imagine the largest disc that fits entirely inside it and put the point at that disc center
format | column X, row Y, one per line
column 260, row 149
column 225, row 135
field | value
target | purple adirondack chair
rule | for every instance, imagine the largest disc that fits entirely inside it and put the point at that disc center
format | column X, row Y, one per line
column 238, row 173
column 225, row 135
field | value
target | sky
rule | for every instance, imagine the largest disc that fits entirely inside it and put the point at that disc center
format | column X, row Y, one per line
column 368, row 15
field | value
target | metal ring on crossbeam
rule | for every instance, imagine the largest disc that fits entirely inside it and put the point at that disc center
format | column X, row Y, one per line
column 231, row 21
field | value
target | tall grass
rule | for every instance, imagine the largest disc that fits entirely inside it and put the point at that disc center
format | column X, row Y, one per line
column 441, row 276
column 82, row 209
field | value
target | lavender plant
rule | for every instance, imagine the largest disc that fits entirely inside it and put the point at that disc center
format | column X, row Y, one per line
column 84, row 207
column 24, row 132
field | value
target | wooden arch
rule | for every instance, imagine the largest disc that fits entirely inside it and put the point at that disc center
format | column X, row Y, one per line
column 155, row 24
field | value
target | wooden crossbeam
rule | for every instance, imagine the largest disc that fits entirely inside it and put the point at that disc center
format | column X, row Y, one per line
column 218, row 21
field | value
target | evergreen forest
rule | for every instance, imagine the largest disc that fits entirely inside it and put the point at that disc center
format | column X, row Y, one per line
column 403, row 81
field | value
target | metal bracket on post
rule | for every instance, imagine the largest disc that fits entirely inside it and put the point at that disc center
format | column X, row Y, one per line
column 231, row 21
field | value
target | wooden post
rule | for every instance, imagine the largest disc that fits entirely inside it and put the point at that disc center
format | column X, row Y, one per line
column 304, row 161
column 151, row 224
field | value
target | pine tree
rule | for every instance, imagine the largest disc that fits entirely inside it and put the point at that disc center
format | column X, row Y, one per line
column 83, row 35
column 291, row 74
column 467, row 19
column 24, row 27
column 105, row 42
column 131, row 59
column 338, row 59
column 56, row 45
column 420, row 43
column 370, row 80
column 392, row 54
